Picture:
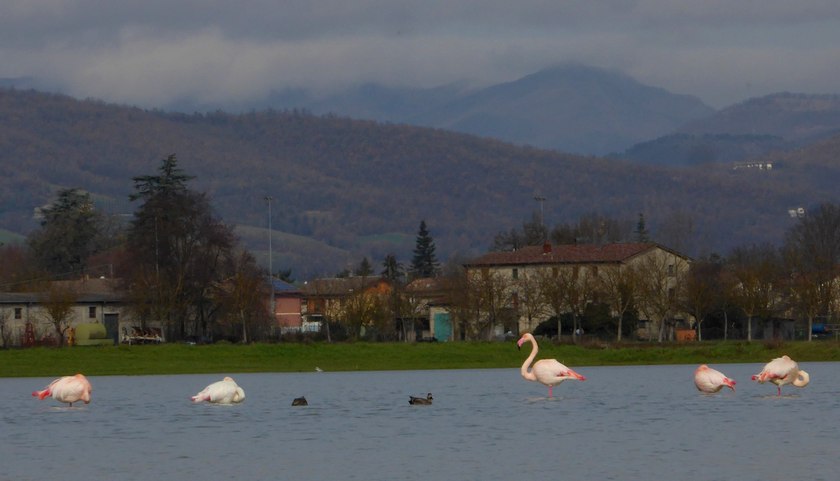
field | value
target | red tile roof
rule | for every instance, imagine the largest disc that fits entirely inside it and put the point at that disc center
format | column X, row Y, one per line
column 563, row 254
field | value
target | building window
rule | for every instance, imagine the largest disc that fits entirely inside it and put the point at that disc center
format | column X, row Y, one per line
column 18, row 313
column 92, row 312
column 515, row 273
column 671, row 270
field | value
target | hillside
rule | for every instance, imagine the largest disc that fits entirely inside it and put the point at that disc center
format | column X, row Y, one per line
column 568, row 108
column 749, row 129
column 345, row 188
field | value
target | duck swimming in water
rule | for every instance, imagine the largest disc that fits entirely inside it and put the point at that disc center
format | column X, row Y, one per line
column 420, row 400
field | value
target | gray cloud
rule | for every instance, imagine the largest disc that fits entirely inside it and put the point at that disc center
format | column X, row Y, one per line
column 151, row 53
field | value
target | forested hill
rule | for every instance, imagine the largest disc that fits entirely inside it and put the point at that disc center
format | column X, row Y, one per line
column 345, row 188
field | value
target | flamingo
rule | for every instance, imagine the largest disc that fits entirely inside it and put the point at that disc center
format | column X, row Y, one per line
column 780, row 371
column 546, row 371
column 225, row 391
column 420, row 400
column 710, row 380
column 67, row 389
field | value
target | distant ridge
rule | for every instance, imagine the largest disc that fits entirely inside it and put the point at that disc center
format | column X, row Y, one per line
column 753, row 128
column 346, row 189
column 569, row 108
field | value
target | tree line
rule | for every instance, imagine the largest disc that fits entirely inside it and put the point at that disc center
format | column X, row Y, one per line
column 177, row 262
column 180, row 264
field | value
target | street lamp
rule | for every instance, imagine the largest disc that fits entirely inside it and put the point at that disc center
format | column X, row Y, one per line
column 541, row 199
column 268, row 200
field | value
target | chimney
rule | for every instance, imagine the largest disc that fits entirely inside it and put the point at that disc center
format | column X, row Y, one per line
column 546, row 247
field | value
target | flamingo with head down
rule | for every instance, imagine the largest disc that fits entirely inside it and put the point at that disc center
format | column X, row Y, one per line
column 225, row 391
column 67, row 389
column 780, row 371
column 710, row 380
column 549, row 372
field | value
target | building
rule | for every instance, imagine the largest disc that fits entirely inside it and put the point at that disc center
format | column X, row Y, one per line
column 431, row 320
column 288, row 300
column 26, row 321
column 513, row 287
column 328, row 299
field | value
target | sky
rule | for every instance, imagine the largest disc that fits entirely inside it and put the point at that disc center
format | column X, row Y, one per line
column 155, row 52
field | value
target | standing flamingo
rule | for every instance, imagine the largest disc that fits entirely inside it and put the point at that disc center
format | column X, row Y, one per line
column 546, row 371
column 225, row 391
column 780, row 371
column 67, row 389
column 710, row 380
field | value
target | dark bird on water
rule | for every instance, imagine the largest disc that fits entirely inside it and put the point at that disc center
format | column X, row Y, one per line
column 300, row 401
column 420, row 400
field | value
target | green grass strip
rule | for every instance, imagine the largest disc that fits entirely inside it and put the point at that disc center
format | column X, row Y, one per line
column 361, row 356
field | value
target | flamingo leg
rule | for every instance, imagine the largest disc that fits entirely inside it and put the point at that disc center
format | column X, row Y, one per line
column 779, row 390
column 550, row 390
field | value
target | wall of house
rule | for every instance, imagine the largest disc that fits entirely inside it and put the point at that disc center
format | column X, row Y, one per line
column 44, row 330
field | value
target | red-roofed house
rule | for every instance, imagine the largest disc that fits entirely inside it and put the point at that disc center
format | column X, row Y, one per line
column 514, row 275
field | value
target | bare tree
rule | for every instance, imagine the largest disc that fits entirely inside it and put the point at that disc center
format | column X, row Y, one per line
column 699, row 291
column 5, row 329
column 494, row 302
column 58, row 300
column 619, row 286
column 659, row 280
column 530, row 301
column 757, row 270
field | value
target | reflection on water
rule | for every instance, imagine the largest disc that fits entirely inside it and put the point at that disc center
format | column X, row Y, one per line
column 623, row 423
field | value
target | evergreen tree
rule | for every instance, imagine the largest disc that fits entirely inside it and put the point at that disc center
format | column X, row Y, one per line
column 68, row 233
column 424, row 263
column 391, row 268
column 178, row 249
column 364, row 269
column 641, row 230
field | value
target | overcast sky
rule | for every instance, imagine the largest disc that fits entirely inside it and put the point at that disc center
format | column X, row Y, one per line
column 152, row 52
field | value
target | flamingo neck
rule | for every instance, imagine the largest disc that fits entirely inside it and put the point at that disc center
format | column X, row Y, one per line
column 802, row 379
column 525, row 371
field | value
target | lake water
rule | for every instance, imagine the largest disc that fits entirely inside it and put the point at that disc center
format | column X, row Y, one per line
column 623, row 423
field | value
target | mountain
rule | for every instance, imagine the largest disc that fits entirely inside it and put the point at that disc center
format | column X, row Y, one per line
column 568, row 108
column 757, row 126
column 345, row 188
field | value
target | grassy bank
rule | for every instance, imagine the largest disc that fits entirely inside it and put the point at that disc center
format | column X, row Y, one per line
column 226, row 358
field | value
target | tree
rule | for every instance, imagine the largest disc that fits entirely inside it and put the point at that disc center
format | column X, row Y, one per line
column 392, row 269
column 757, row 270
column 533, row 233
column 178, row 251
column 529, row 300
column 700, row 291
column 67, row 235
column 641, row 230
column 58, row 301
column 494, row 303
column 618, row 285
column 424, row 263
column 244, row 295
column 812, row 253
column 364, row 269
column 659, row 282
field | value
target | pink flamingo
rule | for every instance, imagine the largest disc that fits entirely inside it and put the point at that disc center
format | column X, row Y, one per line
column 67, row 389
column 225, row 391
column 710, row 380
column 780, row 371
column 546, row 371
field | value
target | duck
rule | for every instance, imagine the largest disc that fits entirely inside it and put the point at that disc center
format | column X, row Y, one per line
column 420, row 400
